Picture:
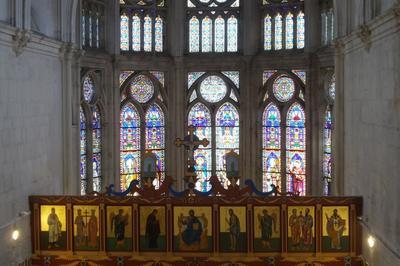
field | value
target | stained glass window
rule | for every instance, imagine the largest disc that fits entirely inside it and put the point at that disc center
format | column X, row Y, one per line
column 232, row 34
column 124, row 33
column 158, row 32
column 136, row 33
column 295, row 150
column 327, row 160
column 155, row 138
column 289, row 31
column 141, row 113
column 200, row 117
column 213, row 89
column 147, row 31
column 219, row 35
column 282, row 28
column 218, row 31
column 278, row 32
column 283, row 89
column 227, row 137
column 332, row 89
column 142, row 89
column 194, row 35
column 267, row 33
column 88, row 89
column 83, row 148
column 96, row 149
column 220, row 123
column 271, row 144
column 90, row 137
column 129, row 145
column 300, row 30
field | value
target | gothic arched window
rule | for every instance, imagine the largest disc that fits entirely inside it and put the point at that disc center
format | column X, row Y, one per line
column 284, row 131
column 327, row 22
column 327, row 137
column 92, row 24
column 90, row 136
column 213, row 25
column 142, row 124
column 284, row 24
column 213, row 110
column 142, row 25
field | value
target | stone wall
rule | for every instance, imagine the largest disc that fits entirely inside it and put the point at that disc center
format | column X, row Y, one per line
column 368, row 84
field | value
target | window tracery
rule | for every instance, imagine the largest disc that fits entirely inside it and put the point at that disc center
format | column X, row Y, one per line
column 142, row 124
column 284, row 132
column 142, row 25
column 213, row 25
column 214, row 112
column 90, row 117
column 92, row 24
column 283, row 24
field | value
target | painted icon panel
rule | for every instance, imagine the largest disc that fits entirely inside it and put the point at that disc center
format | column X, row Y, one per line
column 119, row 228
column 192, row 228
column 86, row 227
column 53, row 227
column 335, row 229
column 267, row 235
column 233, row 234
column 301, row 228
column 152, row 228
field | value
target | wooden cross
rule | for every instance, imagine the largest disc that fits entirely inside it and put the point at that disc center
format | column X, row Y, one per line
column 191, row 142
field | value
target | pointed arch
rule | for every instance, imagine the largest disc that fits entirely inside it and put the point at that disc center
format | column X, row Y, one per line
column 300, row 30
column 124, row 28
column 271, row 147
column 289, row 31
column 158, row 34
column 232, row 34
column 206, row 32
column 219, row 34
column 155, row 137
column 83, row 151
column 96, row 149
column 194, row 35
column 130, row 147
column 200, row 117
column 136, row 33
column 267, row 32
column 227, row 136
column 296, row 150
column 278, row 32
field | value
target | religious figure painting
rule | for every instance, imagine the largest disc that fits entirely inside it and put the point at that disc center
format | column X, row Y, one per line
column 86, row 227
column 152, row 228
column 267, row 235
column 301, row 228
column 335, row 229
column 233, row 234
column 192, row 228
column 119, row 228
column 53, row 224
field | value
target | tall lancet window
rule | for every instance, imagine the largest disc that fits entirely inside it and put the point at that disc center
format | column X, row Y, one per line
column 90, row 135
column 283, row 24
column 92, row 24
column 213, row 109
column 283, row 130
column 142, row 25
column 213, row 25
column 327, row 138
column 142, row 124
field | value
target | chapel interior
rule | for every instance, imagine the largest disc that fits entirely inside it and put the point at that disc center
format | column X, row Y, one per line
column 249, row 102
